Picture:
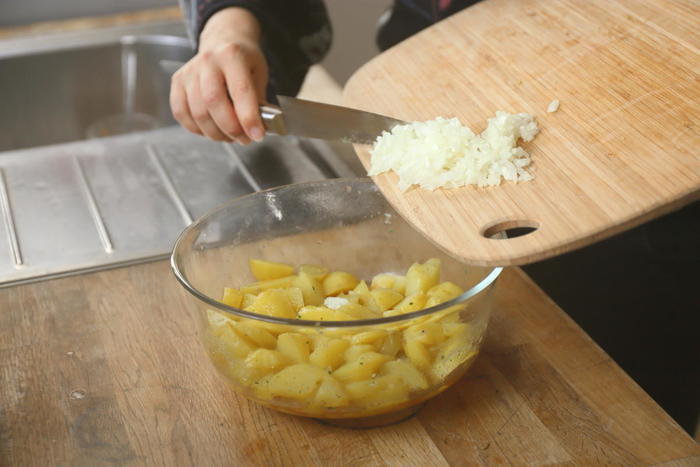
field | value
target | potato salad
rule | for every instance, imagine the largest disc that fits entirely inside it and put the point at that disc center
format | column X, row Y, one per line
column 329, row 371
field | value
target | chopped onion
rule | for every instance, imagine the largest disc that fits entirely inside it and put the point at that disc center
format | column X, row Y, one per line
column 444, row 153
column 553, row 106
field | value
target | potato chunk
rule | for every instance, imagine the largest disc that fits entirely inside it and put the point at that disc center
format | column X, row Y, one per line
column 427, row 333
column 255, row 335
column 295, row 346
column 266, row 359
column 217, row 322
column 386, row 298
column 378, row 392
column 232, row 345
column 338, row 282
column 421, row 277
column 355, row 351
column 257, row 287
column 390, row 281
column 266, row 270
column 366, row 365
column 331, row 393
column 374, row 338
column 297, row 381
column 443, row 292
column 409, row 304
column 329, row 354
column 310, row 287
column 232, row 297
column 409, row 374
column 417, row 353
column 392, row 344
column 322, row 313
column 358, row 311
column 274, row 302
column 313, row 270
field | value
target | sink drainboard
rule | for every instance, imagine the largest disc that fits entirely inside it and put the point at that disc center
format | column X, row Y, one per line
column 93, row 204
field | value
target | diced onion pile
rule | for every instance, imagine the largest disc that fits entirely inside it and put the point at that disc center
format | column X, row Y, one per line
column 444, row 153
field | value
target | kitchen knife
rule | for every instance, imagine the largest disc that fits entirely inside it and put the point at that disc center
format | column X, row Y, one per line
column 315, row 120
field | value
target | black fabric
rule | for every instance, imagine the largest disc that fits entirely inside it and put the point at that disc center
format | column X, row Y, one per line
column 295, row 35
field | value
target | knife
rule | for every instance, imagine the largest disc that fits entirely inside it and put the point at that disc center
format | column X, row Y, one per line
column 315, row 120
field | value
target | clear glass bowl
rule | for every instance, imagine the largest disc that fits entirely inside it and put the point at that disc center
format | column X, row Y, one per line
column 342, row 224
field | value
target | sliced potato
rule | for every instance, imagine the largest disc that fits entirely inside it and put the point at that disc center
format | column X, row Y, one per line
column 322, row 313
column 267, row 270
column 389, row 281
column 427, row 333
column 443, row 292
column 338, row 282
column 417, row 353
column 274, row 302
column 295, row 346
column 297, row 381
column 233, row 345
column 411, row 376
column 266, row 359
column 392, row 344
column 296, row 297
column 378, row 392
column 232, row 297
column 329, row 353
column 409, row 304
column 354, row 351
column 248, row 300
column 217, row 322
column 366, row 365
column 386, row 298
column 310, row 287
column 331, row 393
column 422, row 277
column 313, row 270
column 374, row 338
column 257, row 287
column 258, row 336
column 358, row 311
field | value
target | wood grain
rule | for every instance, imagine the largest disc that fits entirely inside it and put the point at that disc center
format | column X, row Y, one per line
column 622, row 149
column 107, row 369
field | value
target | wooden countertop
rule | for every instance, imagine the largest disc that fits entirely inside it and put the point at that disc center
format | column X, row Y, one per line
column 106, row 368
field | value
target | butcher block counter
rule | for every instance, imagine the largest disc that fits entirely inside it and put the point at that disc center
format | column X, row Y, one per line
column 106, row 369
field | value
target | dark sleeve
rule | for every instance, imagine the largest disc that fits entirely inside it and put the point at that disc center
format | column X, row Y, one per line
column 295, row 35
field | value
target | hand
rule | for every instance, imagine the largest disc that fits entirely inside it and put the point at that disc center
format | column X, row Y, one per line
column 219, row 91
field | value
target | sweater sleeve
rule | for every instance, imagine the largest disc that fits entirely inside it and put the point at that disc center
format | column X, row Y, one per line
column 295, row 35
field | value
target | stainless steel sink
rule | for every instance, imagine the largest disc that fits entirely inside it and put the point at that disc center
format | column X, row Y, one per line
column 87, row 89
column 93, row 170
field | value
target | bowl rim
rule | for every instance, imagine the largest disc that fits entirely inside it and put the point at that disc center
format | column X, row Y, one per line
column 222, row 307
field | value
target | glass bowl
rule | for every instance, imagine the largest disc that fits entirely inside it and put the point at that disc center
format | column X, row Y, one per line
column 356, row 373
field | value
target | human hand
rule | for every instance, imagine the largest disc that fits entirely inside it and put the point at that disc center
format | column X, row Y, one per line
column 218, row 92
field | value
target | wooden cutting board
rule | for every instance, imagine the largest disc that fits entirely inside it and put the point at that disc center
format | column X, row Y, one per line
column 623, row 147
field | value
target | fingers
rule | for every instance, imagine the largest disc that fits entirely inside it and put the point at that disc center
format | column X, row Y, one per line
column 219, row 106
column 244, row 91
column 180, row 108
column 200, row 113
column 217, row 94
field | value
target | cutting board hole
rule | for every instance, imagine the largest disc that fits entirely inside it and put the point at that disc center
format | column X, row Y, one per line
column 509, row 229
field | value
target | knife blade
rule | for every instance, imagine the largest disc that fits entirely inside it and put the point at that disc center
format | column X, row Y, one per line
column 332, row 122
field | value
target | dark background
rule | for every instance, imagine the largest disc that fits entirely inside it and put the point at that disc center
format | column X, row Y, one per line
column 637, row 294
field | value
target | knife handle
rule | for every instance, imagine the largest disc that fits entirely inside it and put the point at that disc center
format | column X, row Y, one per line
column 273, row 119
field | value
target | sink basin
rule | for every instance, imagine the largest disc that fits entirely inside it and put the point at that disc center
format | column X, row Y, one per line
column 95, row 173
column 88, row 91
